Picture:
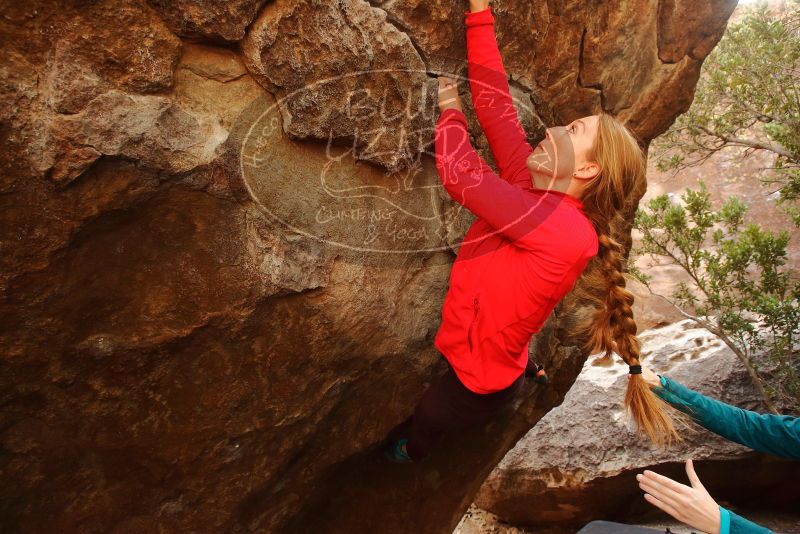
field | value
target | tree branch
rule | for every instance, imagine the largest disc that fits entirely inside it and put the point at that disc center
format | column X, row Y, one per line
column 755, row 379
column 737, row 141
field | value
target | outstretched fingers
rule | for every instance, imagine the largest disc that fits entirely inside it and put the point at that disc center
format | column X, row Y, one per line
column 693, row 478
column 671, row 510
column 654, row 478
column 664, row 489
column 690, row 505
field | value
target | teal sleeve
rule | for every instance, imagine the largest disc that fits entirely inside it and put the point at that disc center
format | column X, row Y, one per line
column 740, row 525
column 770, row 433
column 724, row 521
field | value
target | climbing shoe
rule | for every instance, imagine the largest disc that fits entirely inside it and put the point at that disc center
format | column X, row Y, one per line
column 537, row 372
column 395, row 451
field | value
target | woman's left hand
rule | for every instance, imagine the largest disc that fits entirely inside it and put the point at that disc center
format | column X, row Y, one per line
column 478, row 5
column 690, row 505
column 448, row 94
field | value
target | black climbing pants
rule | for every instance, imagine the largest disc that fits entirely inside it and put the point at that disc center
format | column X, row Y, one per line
column 448, row 405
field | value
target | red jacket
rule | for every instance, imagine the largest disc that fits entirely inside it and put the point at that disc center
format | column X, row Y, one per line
column 527, row 246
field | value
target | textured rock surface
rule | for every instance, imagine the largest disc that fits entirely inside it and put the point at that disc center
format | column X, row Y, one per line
column 322, row 98
column 85, row 64
column 173, row 356
column 223, row 21
column 579, row 462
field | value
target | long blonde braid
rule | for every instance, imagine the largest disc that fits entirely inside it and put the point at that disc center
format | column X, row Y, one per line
column 611, row 326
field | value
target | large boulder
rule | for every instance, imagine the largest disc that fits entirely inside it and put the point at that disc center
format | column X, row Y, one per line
column 579, row 462
column 204, row 19
column 349, row 74
column 224, row 248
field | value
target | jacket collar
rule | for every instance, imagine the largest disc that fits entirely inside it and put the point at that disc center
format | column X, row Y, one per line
column 574, row 201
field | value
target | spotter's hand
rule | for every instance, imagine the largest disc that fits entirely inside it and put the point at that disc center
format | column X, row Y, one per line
column 688, row 504
column 650, row 377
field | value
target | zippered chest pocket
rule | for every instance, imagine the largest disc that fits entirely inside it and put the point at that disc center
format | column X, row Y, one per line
column 470, row 331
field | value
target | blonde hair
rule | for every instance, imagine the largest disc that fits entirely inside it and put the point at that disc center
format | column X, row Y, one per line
column 611, row 327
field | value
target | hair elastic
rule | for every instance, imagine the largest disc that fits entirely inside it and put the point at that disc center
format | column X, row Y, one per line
column 635, row 369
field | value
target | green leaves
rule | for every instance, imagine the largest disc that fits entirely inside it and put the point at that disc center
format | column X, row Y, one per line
column 747, row 97
column 740, row 286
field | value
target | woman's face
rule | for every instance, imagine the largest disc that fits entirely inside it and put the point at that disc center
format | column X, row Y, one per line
column 564, row 152
column 583, row 132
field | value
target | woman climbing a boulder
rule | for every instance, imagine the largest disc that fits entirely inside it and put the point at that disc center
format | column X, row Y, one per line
column 541, row 219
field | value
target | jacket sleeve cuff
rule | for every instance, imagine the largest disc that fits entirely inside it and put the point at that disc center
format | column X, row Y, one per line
column 740, row 525
column 479, row 18
column 452, row 114
column 662, row 390
column 724, row 521
column 678, row 389
column 675, row 393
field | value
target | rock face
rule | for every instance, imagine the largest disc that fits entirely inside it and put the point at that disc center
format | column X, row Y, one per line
column 221, row 21
column 224, row 248
column 352, row 37
column 579, row 462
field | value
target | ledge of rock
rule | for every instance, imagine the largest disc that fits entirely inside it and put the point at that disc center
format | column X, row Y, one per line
column 208, row 19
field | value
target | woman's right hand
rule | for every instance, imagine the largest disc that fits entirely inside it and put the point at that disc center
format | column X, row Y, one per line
column 478, row 5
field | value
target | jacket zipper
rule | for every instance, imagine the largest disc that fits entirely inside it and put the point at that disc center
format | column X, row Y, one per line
column 472, row 323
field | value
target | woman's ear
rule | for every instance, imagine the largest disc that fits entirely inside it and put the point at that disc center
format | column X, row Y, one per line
column 588, row 170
